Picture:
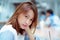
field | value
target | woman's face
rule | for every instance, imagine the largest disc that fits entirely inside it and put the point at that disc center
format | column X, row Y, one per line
column 26, row 19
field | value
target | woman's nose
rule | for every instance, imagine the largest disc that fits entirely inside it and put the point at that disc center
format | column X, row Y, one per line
column 27, row 22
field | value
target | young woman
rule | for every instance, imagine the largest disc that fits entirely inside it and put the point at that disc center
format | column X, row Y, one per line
column 22, row 22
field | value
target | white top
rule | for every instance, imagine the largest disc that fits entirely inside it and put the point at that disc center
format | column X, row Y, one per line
column 10, row 28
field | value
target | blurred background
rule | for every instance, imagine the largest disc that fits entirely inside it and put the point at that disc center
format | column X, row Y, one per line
column 7, row 7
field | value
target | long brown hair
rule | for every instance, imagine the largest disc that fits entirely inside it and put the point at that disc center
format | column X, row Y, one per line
column 23, row 8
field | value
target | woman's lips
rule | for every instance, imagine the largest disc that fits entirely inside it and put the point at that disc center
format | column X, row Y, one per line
column 24, row 25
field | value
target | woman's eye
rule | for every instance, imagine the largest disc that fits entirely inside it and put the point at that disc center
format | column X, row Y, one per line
column 30, row 19
column 26, row 16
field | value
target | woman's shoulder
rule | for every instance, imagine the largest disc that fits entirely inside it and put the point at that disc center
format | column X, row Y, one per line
column 8, row 28
column 6, row 35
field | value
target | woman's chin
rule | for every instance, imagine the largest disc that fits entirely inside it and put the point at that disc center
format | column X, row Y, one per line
column 22, row 28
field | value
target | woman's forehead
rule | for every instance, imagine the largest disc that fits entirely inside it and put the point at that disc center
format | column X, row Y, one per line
column 30, row 13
